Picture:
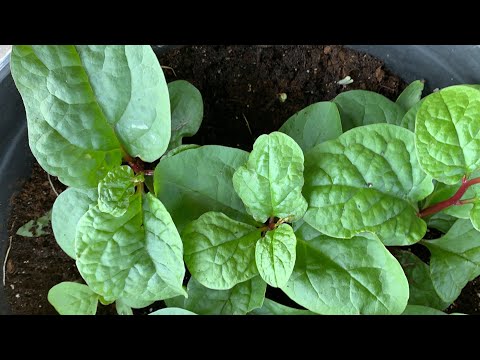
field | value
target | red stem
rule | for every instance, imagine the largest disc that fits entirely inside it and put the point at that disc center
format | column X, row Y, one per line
column 135, row 164
column 454, row 200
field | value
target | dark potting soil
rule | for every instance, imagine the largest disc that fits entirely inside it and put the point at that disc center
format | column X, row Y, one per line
column 240, row 86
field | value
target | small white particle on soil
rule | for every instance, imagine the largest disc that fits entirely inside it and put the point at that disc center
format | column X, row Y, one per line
column 308, row 71
column 12, row 286
column 39, row 305
column 17, row 296
column 151, row 309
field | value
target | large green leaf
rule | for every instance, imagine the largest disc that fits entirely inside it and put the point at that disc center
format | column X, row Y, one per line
column 67, row 210
column 239, row 300
column 84, row 103
column 271, row 307
column 346, row 276
column 219, row 251
column 422, row 291
column 199, row 180
column 313, row 125
column 421, row 310
column 70, row 298
column 368, row 179
column 275, row 255
column 137, row 256
column 455, row 259
column 115, row 190
column 448, row 133
column 172, row 311
column 411, row 95
column 361, row 107
column 187, row 111
column 408, row 120
column 270, row 183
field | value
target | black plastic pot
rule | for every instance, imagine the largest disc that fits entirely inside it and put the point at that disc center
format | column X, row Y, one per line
column 439, row 65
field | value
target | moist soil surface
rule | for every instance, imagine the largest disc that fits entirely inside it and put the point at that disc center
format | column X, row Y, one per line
column 241, row 87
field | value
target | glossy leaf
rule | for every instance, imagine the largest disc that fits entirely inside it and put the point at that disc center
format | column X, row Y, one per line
column 172, row 311
column 411, row 95
column 313, row 125
column 270, row 184
column 271, row 307
column 275, row 255
column 219, row 251
column 367, row 180
column 70, row 298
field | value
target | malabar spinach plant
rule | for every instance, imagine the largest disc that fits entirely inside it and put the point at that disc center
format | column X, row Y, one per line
column 97, row 117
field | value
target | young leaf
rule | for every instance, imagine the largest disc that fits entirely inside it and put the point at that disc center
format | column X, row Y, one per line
column 219, row 251
column 84, row 103
column 199, row 180
column 421, row 310
column 313, row 125
column 422, row 291
column 187, row 111
column 270, row 183
column 346, row 276
column 70, row 298
column 172, row 311
column 361, row 107
column 115, row 190
column 411, row 95
column 455, row 259
column 35, row 228
column 271, row 307
column 123, row 308
column 447, row 134
column 441, row 221
column 67, row 210
column 275, row 255
column 239, row 300
column 135, row 256
column 367, row 180
column 177, row 301
column 408, row 120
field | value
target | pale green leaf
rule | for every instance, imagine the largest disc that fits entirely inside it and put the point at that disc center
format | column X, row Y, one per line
column 187, row 111
column 421, row 310
column 179, row 149
column 35, row 228
column 361, row 107
column 313, row 125
column 271, row 307
column 367, row 180
column 408, row 120
column 136, row 256
column 455, row 259
column 70, row 298
column 172, row 311
column 411, row 95
column 177, row 301
column 122, row 308
column 475, row 215
column 67, row 210
column 239, row 300
column 346, row 276
column 417, row 272
column 275, row 255
column 448, row 133
column 270, row 183
column 199, row 180
column 219, row 251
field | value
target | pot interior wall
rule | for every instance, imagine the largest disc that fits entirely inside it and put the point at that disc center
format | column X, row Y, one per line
column 439, row 65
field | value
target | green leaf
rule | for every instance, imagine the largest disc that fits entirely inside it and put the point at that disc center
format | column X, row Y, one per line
column 135, row 256
column 275, row 255
column 115, row 190
column 172, row 311
column 177, row 301
column 70, row 298
column 367, row 180
column 346, row 276
column 421, row 310
column 239, row 300
column 35, row 228
column 270, row 184
column 271, row 307
column 408, row 120
column 219, row 251
column 422, row 291
column 187, row 111
column 123, row 308
column 84, row 103
column 67, row 210
column 179, row 149
column 361, row 107
column 441, row 221
column 411, row 95
column 199, row 180
column 455, row 259
column 313, row 125
column 475, row 215
column 447, row 133
column 136, row 303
